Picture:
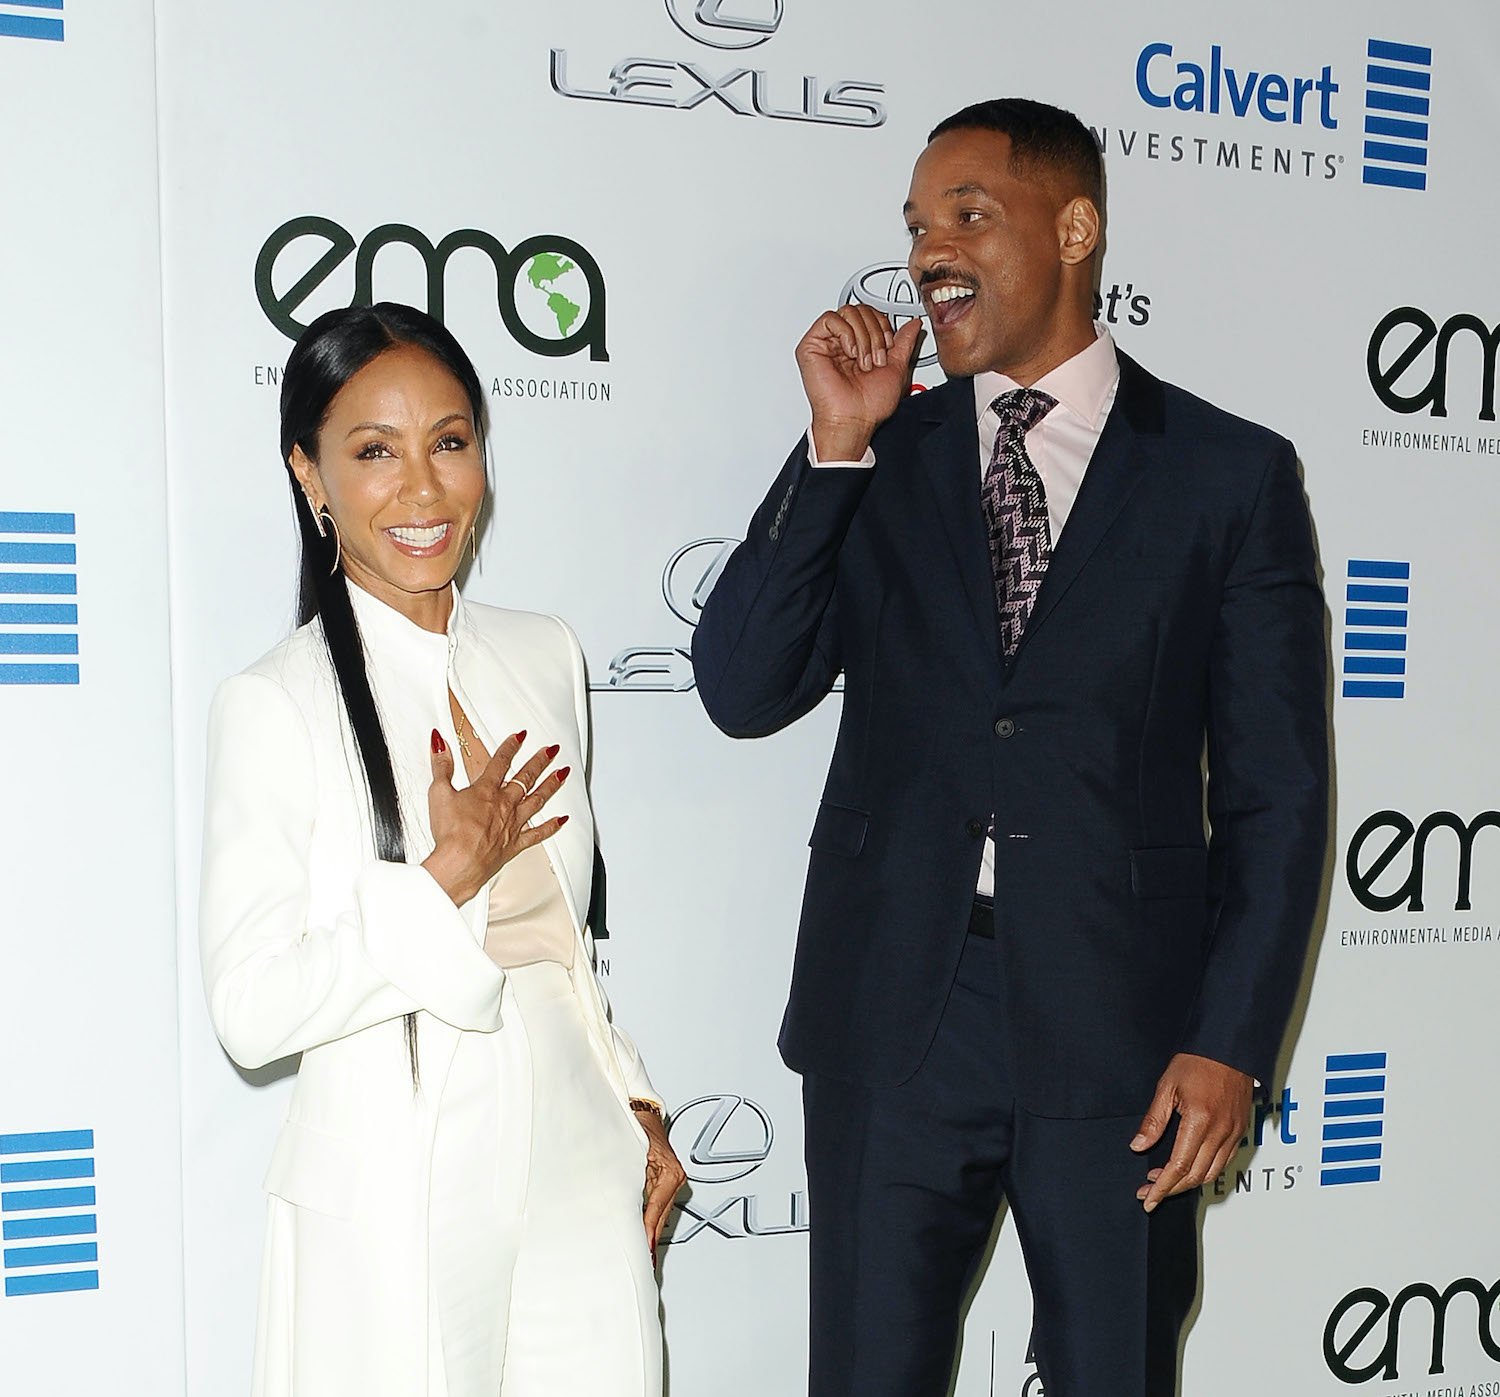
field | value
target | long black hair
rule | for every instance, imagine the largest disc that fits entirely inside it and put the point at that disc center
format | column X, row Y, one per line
column 334, row 348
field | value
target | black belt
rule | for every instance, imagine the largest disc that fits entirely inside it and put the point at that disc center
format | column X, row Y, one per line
column 982, row 918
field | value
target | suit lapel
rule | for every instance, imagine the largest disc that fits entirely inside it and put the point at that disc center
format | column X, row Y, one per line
column 1128, row 444
column 948, row 458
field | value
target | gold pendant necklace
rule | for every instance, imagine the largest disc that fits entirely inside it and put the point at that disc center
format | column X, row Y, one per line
column 458, row 732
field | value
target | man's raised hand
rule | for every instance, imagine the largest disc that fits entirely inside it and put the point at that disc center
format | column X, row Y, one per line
column 855, row 371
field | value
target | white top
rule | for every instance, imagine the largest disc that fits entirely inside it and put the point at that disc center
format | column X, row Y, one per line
column 528, row 919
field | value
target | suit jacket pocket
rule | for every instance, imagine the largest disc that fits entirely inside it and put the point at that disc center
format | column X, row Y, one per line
column 839, row 829
column 1169, row 872
column 314, row 1170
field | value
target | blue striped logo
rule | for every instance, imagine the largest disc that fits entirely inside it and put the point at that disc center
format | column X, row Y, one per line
column 1398, row 81
column 47, row 1217
column 27, row 24
column 1353, row 1118
column 1377, row 595
column 38, row 599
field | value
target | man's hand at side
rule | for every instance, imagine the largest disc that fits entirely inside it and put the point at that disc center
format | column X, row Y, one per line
column 1213, row 1102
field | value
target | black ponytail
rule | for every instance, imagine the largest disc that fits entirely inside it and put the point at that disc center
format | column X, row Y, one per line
column 330, row 352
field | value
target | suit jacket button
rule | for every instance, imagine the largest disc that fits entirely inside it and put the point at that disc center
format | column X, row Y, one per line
column 1005, row 727
column 975, row 828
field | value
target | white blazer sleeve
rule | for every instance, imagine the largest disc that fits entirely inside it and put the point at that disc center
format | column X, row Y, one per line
column 277, row 980
column 637, row 1082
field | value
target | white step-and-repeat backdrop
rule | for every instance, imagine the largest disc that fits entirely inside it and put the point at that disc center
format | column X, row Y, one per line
column 628, row 211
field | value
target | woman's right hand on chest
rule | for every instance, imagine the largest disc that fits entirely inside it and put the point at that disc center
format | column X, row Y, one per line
column 478, row 830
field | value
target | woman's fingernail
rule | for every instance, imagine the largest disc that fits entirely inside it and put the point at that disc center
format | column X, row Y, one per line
column 518, row 736
column 553, row 750
column 562, row 820
column 562, row 774
column 438, row 745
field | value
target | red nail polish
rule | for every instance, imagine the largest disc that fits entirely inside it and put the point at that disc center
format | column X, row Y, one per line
column 562, row 775
column 553, row 750
column 438, row 745
column 562, row 820
column 518, row 736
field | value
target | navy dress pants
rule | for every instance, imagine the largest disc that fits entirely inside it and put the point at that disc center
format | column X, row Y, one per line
column 904, row 1187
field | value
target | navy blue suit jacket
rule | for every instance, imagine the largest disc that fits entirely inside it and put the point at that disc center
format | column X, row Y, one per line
column 1181, row 607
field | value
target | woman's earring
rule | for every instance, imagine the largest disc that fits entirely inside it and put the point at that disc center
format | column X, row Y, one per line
column 338, row 542
column 316, row 518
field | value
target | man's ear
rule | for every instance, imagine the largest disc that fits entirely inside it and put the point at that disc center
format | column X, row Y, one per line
column 1078, row 229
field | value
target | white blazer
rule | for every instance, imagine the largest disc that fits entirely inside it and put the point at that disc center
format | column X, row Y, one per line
column 310, row 944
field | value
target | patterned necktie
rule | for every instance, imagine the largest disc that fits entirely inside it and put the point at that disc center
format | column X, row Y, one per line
column 1015, row 509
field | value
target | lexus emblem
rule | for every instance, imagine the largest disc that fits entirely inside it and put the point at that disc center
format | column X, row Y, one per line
column 724, row 23
column 731, row 1137
column 690, row 575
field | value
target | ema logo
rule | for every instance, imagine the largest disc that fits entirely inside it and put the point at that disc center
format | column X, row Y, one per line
column 1395, row 833
column 1414, row 332
column 30, row 26
column 1375, row 621
column 549, row 290
column 1353, row 1118
column 47, row 627
column 33, row 1219
column 1371, row 1347
column 1398, row 79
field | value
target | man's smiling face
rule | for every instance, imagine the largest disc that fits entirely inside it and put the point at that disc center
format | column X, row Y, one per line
column 985, row 253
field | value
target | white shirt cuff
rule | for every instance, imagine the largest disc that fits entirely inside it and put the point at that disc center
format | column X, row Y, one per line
column 864, row 462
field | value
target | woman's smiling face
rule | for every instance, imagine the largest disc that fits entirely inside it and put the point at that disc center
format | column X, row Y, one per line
column 401, row 469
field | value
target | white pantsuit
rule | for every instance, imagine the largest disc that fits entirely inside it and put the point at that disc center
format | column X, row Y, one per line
column 312, row 945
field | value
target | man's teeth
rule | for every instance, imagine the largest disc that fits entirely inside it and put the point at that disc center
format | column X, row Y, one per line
column 949, row 293
column 419, row 538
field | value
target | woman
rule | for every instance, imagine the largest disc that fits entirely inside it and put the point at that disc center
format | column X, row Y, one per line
column 456, row 1196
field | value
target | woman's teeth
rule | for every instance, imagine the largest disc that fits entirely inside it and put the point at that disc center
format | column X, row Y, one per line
column 420, row 538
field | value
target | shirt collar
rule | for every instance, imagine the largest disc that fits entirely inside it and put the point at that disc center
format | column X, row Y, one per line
column 386, row 631
column 1082, row 384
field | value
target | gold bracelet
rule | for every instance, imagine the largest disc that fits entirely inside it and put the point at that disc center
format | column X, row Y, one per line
column 639, row 1103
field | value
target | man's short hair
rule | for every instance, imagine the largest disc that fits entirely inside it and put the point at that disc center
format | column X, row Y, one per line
column 1043, row 140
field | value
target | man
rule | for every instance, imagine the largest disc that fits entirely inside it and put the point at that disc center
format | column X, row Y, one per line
column 1023, row 971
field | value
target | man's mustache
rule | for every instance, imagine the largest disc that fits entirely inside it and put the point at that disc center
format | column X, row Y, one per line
column 951, row 275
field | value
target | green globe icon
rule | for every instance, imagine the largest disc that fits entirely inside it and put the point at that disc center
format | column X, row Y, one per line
column 553, row 295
